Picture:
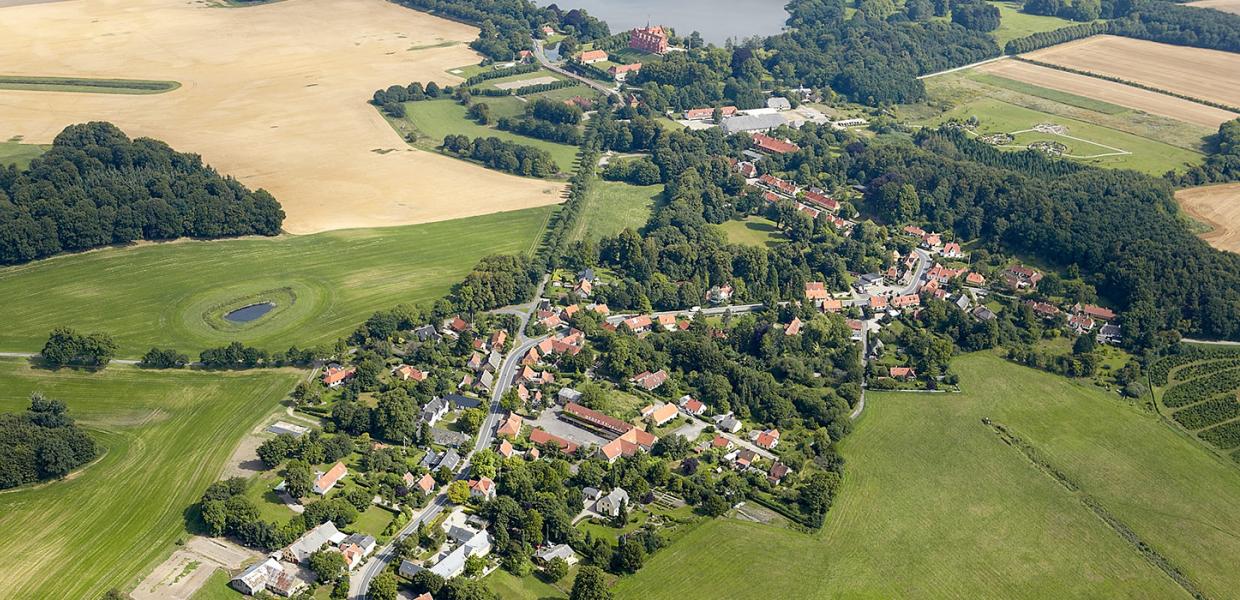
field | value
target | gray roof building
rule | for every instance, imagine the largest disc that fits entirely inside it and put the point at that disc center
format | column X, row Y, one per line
column 778, row 103
column 749, row 123
column 450, row 459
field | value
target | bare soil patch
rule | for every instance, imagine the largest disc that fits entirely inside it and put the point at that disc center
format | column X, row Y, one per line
column 274, row 95
column 520, row 83
column 1219, row 207
column 179, row 577
column 1231, row 6
column 1206, row 74
column 1108, row 91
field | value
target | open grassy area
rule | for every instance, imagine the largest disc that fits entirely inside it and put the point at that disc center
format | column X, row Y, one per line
column 216, row 588
column 1015, row 24
column 94, row 86
column 612, row 206
column 165, row 294
column 935, row 505
column 1098, row 145
column 434, row 119
column 167, row 436
column 1049, row 94
column 20, row 154
column 752, row 231
column 530, row 587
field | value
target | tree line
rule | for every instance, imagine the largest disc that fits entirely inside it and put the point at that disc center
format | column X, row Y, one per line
column 96, row 187
column 501, row 155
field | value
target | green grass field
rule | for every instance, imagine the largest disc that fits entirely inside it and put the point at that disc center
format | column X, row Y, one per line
column 1147, row 155
column 216, row 588
column 168, row 294
column 752, row 231
column 1015, row 24
column 935, row 505
column 612, row 206
column 92, row 86
column 1061, row 97
column 20, row 154
column 434, row 119
column 167, row 436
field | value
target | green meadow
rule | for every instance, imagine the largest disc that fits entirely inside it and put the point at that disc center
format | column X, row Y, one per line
column 434, row 119
column 934, row 504
column 1015, row 24
column 324, row 285
column 20, row 154
column 752, row 231
column 611, row 207
column 166, row 435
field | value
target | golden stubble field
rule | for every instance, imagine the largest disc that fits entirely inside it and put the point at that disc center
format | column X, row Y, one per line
column 1219, row 207
column 1206, row 74
column 1108, row 91
column 1231, row 6
column 275, row 95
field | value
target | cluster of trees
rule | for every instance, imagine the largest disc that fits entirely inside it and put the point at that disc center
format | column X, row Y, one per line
column 65, row 347
column 239, row 356
column 164, row 358
column 640, row 171
column 1075, row 10
column 1042, row 39
column 1172, row 23
column 505, row 26
column 1117, row 227
column 979, row 15
column 41, row 443
column 391, row 98
column 501, row 155
column 226, row 510
column 312, row 448
column 96, row 187
column 547, row 120
column 1220, row 166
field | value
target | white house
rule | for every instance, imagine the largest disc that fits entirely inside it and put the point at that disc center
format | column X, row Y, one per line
column 610, row 504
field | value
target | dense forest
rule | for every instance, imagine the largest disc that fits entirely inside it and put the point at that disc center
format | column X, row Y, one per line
column 95, row 187
column 41, row 443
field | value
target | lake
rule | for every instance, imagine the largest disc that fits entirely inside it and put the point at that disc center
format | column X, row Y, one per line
column 716, row 20
column 245, row 314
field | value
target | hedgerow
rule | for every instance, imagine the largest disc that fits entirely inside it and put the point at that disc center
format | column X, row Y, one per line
column 1194, row 370
column 1187, row 354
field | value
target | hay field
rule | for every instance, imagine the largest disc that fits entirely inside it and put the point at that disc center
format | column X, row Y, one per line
column 274, row 95
column 1219, row 207
column 1109, row 91
column 1231, row 6
column 935, row 505
column 1206, row 74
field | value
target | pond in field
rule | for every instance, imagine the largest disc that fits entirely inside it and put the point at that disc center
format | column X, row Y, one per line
column 716, row 20
column 245, row 314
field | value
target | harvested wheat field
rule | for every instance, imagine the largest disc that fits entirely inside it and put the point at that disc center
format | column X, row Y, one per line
column 275, row 95
column 1219, row 207
column 1108, row 91
column 1231, row 6
column 1196, row 72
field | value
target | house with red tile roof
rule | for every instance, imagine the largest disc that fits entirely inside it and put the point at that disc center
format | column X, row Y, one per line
column 540, row 436
column 781, row 186
column 621, row 72
column 767, row 439
column 952, row 250
column 770, row 144
column 1098, row 313
column 627, row 444
column 511, row 427
column 326, row 481
column 702, row 114
column 832, row 305
column 903, row 373
column 595, row 418
column 426, row 484
column 822, row 200
column 406, row 373
column 794, row 327
column 336, row 375
column 816, row 291
column 661, row 415
column 975, row 279
column 590, row 57
column 649, row 39
column 906, row 301
column 692, row 406
column 483, row 488
column 650, row 381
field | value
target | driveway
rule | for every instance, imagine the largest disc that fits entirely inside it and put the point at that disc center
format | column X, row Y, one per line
column 550, row 421
column 692, row 428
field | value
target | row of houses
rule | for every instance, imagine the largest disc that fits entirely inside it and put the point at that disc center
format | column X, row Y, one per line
column 278, row 573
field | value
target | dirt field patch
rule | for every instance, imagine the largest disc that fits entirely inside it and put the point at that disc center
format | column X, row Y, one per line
column 274, row 95
column 189, row 568
column 520, row 83
column 1231, row 6
column 1206, row 74
column 1116, row 93
column 1219, row 207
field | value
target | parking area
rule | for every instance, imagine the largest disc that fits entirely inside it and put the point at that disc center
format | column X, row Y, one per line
column 550, row 421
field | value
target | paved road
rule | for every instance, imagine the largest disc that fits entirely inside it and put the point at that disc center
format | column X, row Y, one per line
column 550, row 66
column 865, row 353
column 736, row 309
column 963, row 67
column 115, row 361
column 360, row 581
column 1211, row 342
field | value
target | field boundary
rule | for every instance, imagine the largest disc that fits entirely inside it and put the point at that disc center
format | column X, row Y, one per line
column 1140, row 86
column 1043, row 464
column 87, row 85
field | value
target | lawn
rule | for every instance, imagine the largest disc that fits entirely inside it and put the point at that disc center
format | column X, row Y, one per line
column 610, row 207
column 20, row 154
column 372, row 521
column 1145, row 154
column 434, row 119
column 94, row 86
column 752, row 231
column 1061, row 97
column 530, row 587
column 170, row 294
column 1015, row 24
column 935, row 505
column 167, row 436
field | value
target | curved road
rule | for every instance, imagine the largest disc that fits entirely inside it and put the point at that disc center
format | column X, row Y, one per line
column 360, row 581
column 550, row 66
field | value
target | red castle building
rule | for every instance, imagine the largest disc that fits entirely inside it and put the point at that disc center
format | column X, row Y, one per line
column 649, row 39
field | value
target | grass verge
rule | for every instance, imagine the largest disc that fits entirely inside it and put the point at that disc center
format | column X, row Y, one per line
column 79, row 84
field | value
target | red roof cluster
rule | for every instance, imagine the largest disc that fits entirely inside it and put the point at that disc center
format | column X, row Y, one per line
column 770, row 144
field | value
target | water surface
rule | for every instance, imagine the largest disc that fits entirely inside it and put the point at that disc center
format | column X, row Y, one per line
column 245, row 314
column 716, row 20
